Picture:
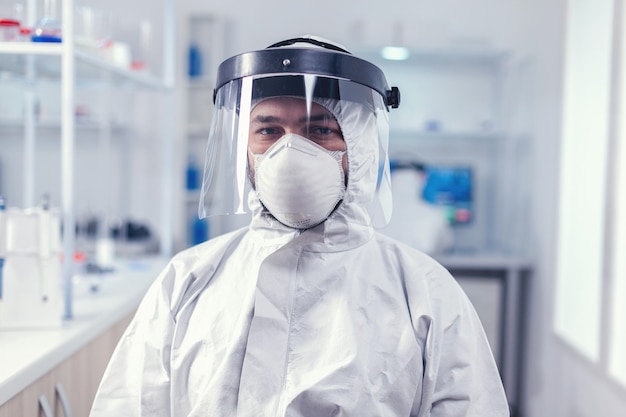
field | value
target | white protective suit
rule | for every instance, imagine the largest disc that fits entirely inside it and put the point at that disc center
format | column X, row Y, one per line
column 336, row 320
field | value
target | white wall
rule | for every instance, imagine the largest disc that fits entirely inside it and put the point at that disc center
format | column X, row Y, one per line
column 560, row 382
column 423, row 22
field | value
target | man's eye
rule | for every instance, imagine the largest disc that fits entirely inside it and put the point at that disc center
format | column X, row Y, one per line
column 269, row 131
column 322, row 130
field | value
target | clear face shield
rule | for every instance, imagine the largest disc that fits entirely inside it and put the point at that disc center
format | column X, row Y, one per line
column 297, row 144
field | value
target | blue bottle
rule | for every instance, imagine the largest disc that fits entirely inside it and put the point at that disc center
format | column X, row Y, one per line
column 195, row 61
column 192, row 176
column 199, row 230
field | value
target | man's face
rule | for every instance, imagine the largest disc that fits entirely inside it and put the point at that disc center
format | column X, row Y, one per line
column 273, row 118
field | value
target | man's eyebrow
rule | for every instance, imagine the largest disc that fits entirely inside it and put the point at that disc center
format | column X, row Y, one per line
column 266, row 119
column 316, row 118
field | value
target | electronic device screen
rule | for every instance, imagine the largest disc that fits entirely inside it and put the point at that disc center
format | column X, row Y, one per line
column 450, row 187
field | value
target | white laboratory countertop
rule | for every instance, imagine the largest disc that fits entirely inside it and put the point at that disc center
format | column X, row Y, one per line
column 26, row 355
column 484, row 260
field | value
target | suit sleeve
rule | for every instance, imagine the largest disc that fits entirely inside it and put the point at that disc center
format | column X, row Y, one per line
column 137, row 379
column 461, row 378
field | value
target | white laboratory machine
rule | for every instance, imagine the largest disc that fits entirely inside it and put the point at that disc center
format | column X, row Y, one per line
column 31, row 293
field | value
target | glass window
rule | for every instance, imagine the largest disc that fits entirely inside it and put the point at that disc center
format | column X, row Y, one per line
column 583, row 171
column 617, row 347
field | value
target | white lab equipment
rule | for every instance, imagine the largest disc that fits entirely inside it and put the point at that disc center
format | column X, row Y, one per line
column 413, row 220
column 30, row 245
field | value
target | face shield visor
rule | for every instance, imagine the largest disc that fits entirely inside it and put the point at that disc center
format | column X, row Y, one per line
column 299, row 132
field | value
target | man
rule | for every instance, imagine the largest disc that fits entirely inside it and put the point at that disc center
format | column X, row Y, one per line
column 308, row 311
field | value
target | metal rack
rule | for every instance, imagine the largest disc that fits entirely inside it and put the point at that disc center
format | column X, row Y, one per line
column 206, row 32
column 71, row 61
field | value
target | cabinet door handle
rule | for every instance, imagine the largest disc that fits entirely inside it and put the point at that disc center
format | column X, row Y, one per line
column 44, row 407
column 60, row 395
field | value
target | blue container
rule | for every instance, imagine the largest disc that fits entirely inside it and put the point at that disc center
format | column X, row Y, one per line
column 192, row 177
column 199, row 231
column 195, row 62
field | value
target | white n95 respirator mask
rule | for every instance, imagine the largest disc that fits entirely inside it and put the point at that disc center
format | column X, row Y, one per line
column 298, row 181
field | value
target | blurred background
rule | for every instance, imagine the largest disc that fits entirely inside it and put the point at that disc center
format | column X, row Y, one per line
column 508, row 160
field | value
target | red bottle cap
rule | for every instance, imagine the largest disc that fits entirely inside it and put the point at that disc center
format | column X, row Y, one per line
column 9, row 23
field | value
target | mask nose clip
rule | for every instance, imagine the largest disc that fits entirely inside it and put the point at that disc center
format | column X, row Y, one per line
column 302, row 149
column 292, row 144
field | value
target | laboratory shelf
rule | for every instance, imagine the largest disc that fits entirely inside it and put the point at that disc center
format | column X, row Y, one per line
column 30, row 48
column 29, row 66
column 90, row 68
column 444, row 135
column 205, row 33
column 55, row 125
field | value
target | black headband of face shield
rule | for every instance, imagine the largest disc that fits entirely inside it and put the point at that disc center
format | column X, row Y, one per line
column 320, row 62
column 324, row 88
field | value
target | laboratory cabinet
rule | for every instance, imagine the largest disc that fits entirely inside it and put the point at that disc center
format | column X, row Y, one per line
column 71, row 358
column 497, row 286
column 203, row 48
column 71, row 384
